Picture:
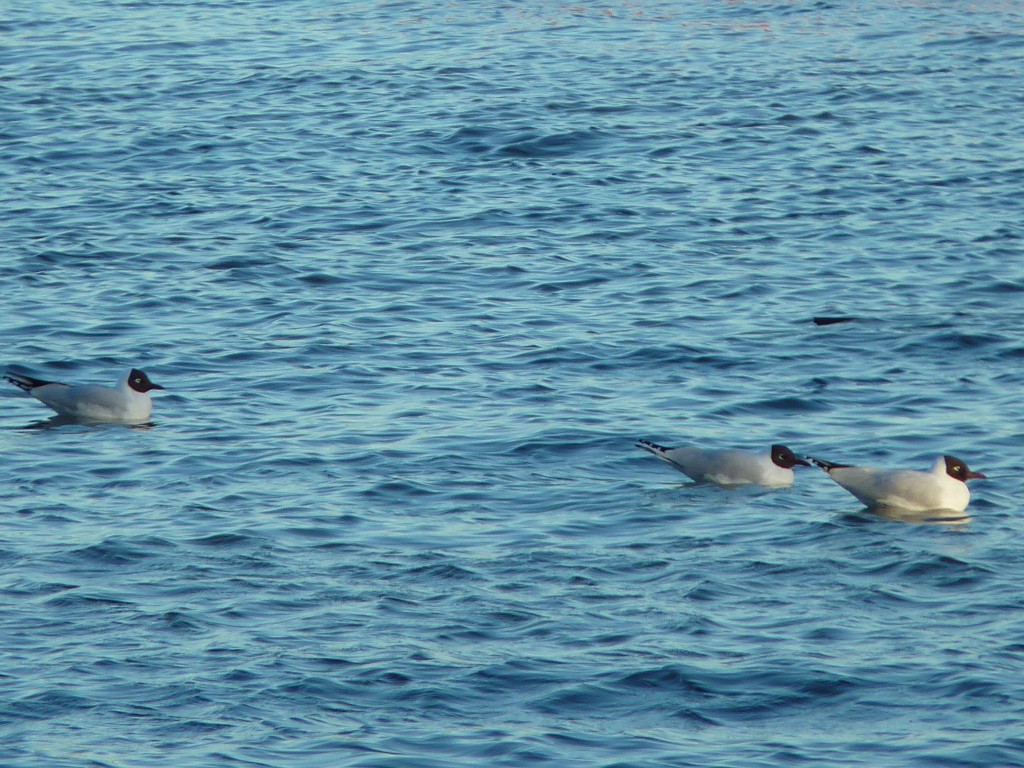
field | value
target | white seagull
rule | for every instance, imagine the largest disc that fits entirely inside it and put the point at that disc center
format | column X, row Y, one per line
column 730, row 467
column 126, row 403
column 943, row 487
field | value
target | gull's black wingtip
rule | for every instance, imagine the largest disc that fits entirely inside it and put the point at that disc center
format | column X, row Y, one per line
column 657, row 450
column 828, row 466
column 24, row 383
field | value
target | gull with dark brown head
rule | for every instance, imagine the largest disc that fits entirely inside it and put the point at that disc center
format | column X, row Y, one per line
column 730, row 467
column 944, row 486
column 125, row 403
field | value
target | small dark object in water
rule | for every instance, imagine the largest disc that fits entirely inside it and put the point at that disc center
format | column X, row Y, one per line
column 833, row 320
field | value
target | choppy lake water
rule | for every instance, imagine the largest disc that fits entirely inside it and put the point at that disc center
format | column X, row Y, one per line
column 415, row 277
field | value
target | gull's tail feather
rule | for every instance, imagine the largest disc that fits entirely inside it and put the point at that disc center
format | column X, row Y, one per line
column 25, row 383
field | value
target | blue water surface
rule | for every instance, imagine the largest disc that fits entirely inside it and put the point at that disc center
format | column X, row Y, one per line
column 415, row 277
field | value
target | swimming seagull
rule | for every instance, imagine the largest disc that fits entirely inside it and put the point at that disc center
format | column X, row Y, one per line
column 730, row 467
column 944, row 486
column 126, row 403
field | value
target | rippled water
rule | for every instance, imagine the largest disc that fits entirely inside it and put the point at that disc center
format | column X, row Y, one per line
column 415, row 277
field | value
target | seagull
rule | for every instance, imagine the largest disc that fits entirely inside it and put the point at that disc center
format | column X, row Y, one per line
column 944, row 486
column 126, row 403
column 730, row 467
